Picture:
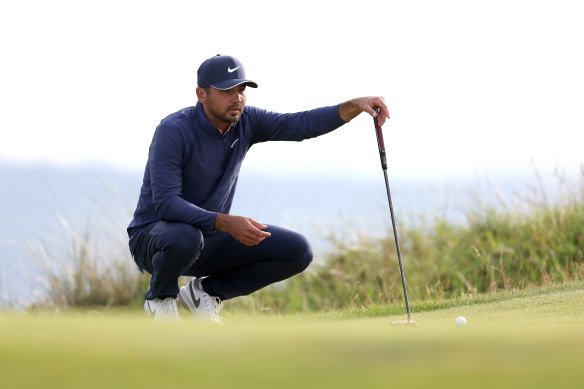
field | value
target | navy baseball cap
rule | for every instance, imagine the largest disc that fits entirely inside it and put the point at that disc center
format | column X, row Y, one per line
column 222, row 72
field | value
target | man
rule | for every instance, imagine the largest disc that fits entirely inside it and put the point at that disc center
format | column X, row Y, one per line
column 182, row 225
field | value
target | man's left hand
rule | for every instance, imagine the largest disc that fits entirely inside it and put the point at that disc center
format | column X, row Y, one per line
column 350, row 109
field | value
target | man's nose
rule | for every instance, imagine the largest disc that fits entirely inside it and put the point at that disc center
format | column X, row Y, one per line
column 237, row 96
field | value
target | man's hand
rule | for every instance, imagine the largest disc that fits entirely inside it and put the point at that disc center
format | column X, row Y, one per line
column 350, row 109
column 244, row 229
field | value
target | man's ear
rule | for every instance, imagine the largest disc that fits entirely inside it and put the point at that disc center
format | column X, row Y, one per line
column 201, row 95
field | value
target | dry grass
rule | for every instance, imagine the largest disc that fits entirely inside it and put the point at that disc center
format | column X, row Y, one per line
column 86, row 273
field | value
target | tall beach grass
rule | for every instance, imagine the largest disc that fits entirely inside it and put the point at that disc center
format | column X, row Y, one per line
column 86, row 271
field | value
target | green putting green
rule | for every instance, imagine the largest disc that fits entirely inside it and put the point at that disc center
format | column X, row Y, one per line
column 524, row 342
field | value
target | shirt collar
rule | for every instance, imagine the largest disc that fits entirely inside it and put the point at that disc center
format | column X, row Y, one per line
column 228, row 129
column 207, row 123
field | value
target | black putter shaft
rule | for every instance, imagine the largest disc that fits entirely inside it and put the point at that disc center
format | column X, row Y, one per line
column 381, row 147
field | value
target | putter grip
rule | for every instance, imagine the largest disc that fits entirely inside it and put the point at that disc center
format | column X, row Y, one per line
column 380, row 143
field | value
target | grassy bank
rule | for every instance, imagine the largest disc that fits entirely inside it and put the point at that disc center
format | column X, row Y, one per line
column 532, row 240
column 535, row 340
column 515, row 244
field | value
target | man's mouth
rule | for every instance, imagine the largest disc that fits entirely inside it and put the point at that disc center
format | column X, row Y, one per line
column 235, row 109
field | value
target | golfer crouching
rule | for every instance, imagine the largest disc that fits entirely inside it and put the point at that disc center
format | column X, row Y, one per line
column 182, row 225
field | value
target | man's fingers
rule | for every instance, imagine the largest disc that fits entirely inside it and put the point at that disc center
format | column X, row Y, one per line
column 383, row 116
column 383, row 110
column 254, row 234
column 252, row 241
column 244, row 229
column 261, row 234
column 370, row 111
column 370, row 103
column 257, row 225
column 258, row 229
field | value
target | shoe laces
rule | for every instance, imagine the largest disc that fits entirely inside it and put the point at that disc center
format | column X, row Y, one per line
column 218, row 304
column 212, row 306
column 167, row 308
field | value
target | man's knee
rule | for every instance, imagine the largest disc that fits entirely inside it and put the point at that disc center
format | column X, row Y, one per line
column 301, row 253
column 181, row 241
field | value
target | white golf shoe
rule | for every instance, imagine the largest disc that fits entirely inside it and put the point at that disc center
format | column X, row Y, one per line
column 205, row 307
column 162, row 309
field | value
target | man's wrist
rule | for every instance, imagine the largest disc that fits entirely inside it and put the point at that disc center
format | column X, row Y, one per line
column 221, row 222
column 349, row 110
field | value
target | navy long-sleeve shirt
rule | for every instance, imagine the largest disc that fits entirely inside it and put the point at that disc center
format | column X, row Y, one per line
column 192, row 169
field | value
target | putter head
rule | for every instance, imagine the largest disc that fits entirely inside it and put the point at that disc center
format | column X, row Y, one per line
column 408, row 323
column 405, row 323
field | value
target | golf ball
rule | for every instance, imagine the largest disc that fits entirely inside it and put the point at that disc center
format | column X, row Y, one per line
column 460, row 321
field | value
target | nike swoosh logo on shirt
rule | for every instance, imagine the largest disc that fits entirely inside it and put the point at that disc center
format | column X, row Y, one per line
column 232, row 70
column 233, row 144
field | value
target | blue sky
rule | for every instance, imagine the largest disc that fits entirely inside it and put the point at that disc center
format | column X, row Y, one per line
column 472, row 85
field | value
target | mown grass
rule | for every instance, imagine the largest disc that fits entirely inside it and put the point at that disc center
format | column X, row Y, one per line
column 454, row 303
column 535, row 340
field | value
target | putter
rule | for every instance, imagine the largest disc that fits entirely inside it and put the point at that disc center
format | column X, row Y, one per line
column 381, row 147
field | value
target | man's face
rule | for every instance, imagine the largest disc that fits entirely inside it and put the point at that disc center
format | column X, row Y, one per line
column 223, row 107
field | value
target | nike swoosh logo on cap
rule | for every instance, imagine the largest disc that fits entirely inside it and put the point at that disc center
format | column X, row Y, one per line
column 232, row 70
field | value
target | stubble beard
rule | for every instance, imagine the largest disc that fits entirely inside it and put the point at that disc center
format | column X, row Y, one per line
column 228, row 116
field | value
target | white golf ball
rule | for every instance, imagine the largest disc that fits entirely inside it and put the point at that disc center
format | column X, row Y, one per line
column 460, row 321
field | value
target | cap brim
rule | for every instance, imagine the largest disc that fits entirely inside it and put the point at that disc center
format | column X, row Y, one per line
column 228, row 84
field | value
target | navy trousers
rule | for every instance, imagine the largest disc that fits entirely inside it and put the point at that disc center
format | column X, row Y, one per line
column 170, row 250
